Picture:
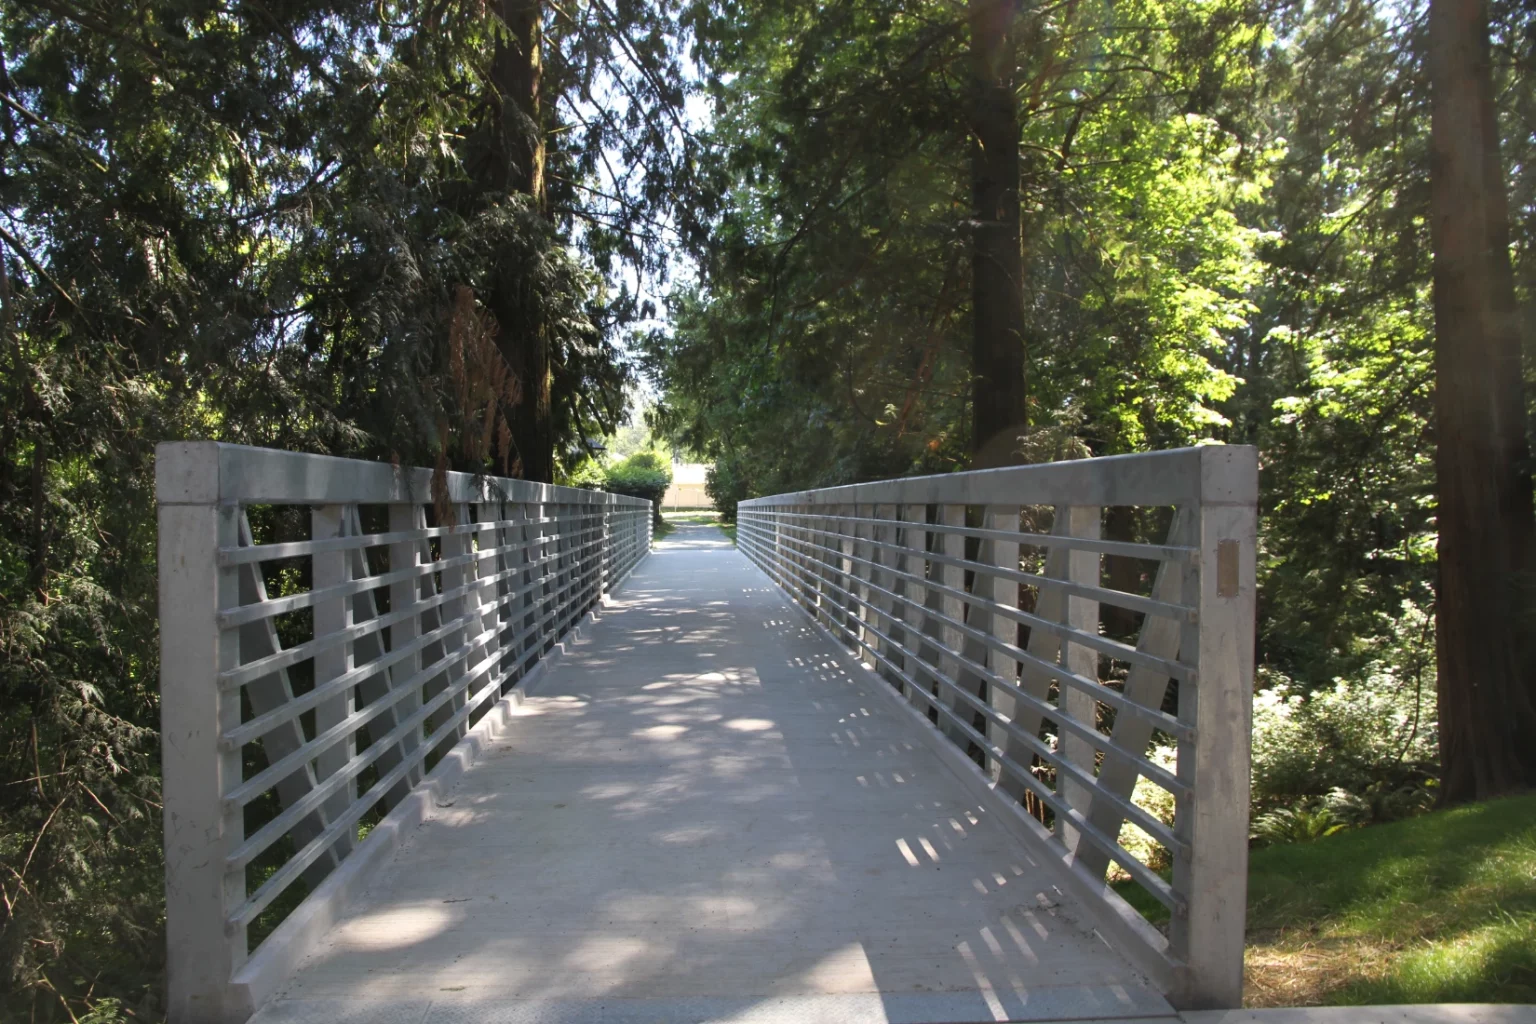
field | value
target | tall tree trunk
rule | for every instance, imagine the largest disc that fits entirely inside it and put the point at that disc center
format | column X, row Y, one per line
column 518, row 158
column 1486, row 693
column 997, row 266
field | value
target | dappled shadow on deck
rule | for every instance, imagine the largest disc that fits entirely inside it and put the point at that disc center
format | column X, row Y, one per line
column 704, row 814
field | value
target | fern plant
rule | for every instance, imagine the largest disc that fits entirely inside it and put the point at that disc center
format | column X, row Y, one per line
column 1301, row 824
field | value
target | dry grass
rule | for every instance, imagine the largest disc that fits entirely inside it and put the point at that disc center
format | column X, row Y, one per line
column 1303, row 969
column 1438, row 908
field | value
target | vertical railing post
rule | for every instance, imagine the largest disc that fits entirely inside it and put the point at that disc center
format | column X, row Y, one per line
column 778, row 554
column 457, row 578
column 914, row 561
column 483, row 568
column 332, row 615
column 952, row 575
column 848, row 612
column 897, row 564
column 1001, row 554
column 862, row 618
column 547, row 514
column 1213, row 819
column 520, row 585
column 606, row 550
column 202, row 953
column 1082, row 614
column 404, row 595
column 596, row 544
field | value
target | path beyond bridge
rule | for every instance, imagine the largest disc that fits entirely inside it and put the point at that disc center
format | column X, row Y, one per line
column 704, row 811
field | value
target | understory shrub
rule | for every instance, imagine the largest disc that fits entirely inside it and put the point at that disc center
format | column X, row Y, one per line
column 1362, row 746
column 1360, row 751
column 1354, row 753
column 726, row 484
column 644, row 474
column 1158, row 802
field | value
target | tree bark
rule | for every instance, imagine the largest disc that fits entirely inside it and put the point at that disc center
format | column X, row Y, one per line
column 518, row 157
column 1486, row 694
column 997, row 265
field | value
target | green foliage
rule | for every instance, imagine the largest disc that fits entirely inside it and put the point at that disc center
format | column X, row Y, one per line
column 1373, row 739
column 1296, row 825
column 645, row 474
column 1225, row 236
column 1158, row 802
column 1337, row 362
column 828, row 341
column 633, row 436
column 255, row 223
column 1439, row 908
column 726, row 484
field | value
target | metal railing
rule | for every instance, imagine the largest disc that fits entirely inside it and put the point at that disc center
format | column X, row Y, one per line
column 1059, row 662
column 334, row 635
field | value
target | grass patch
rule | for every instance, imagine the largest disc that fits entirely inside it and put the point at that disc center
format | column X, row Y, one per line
column 1440, row 908
column 697, row 518
column 662, row 529
column 694, row 518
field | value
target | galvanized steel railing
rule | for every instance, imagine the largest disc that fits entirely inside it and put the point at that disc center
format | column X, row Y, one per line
column 1052, row 662
column 295, row 721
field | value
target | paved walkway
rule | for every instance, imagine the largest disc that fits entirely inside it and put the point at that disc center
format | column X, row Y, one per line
column 705, row 815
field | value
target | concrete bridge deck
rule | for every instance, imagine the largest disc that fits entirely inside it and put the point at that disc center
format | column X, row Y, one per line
column 707, row 813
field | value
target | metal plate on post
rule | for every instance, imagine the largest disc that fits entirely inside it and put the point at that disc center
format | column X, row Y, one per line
column 1226, row 568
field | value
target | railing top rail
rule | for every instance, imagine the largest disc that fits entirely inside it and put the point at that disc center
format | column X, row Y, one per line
column 1208, row 474
column 213, row 473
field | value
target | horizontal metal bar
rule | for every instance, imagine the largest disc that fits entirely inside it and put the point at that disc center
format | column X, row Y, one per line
column 1102, row 644
column 1159, row 888
column 231, row 678
column 256, row 611
column 1175, row 477
column 212, row 473
column 314, row 748
column 1130, row 549
column 248, row 911
column 297, row 548
column 295, row 812
column 1092, row 687
column 1103, row 743
column 1103, row 595
column 265, row 723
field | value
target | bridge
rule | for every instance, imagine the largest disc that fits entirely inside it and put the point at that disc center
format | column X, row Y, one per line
column 440, row 747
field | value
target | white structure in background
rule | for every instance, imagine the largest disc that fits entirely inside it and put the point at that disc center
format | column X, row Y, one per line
column 687, row 490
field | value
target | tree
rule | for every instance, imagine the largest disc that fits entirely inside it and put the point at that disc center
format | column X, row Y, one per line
column 1337, row 358
column 1487, row 688
column 846, row 327
column 997, row 264
column 274, row 226
column 515, row 163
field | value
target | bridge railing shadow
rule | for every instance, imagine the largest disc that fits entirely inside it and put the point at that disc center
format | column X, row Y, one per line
column 1072, row 633
column 741, row 817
